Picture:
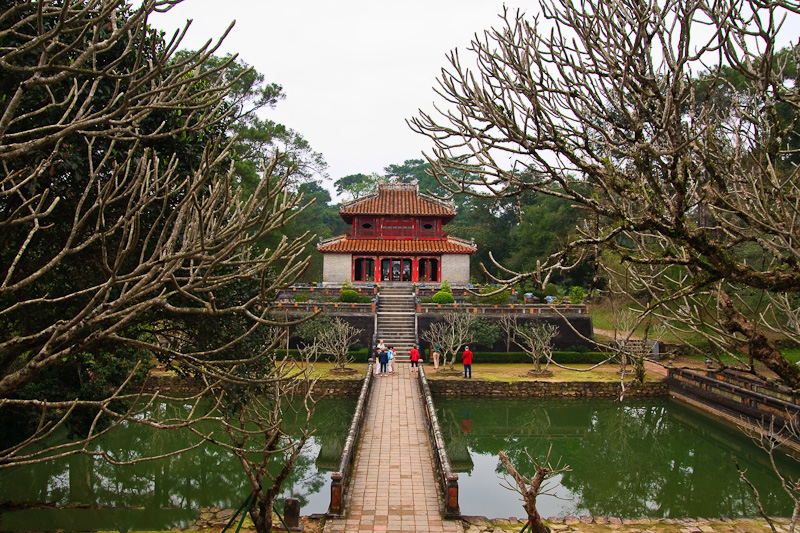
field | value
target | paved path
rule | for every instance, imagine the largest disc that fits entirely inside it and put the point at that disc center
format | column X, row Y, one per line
column 393, row 487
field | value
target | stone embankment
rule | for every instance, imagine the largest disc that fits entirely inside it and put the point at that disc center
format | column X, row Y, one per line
column 588, row 524
column 552, row 389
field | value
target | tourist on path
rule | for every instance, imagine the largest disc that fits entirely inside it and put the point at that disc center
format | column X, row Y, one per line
column 435, row 354
column 381, row 347
column 414, row 353
column 466, row 358
column 383, row 357
column 391, row 358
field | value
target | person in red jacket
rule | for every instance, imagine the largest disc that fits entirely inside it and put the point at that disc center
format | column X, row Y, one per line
column 414, row 353
column 466, row 358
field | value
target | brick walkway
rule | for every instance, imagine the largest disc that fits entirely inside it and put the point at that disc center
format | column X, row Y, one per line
column 393, row 486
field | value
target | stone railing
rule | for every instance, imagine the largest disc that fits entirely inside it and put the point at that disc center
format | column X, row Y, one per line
column 328, row 291
column 447, row 478
column 488, row 309
column 313, row 307
column 341, row 478
column 764, row 406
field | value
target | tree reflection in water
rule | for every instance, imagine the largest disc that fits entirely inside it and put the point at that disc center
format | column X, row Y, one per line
column 656, row 459
column 204, row 477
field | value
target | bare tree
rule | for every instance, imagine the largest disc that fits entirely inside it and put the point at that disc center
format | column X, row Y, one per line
column 508, row 323
column 626, row 110
column 536, row 339
column 267, row 427
column 450, row 335
column 124, row 238
column 530, row 488
column 771, row 438
column 335, row 341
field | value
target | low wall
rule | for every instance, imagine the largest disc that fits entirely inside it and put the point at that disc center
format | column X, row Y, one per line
column 545, row 389
column 739, row 395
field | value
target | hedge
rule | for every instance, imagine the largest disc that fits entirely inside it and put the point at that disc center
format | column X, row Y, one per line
column 565, row 358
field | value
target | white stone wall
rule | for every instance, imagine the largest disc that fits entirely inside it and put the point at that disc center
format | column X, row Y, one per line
column 336, row 268
column 455, row 269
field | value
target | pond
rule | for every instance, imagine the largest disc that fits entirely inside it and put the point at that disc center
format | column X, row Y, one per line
column 83, row 493
column 654, row 458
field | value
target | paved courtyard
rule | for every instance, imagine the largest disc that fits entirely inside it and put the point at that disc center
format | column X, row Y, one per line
column 393, row 487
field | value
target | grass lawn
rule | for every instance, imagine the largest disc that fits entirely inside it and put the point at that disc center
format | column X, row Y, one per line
column 323, row 370
column 518, row 372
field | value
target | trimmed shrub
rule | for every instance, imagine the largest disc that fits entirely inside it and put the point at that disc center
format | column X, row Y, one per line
column 443, row 297
column 352, row 297
column 445, row 287
column 551, row 290
column 301, row 297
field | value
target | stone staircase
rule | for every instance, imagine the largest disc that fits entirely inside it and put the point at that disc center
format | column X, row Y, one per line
column 396, row 325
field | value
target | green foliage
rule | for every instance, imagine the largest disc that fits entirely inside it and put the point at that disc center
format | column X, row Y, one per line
column 443, row 297
column 445, row 287
column 501, row 298
column 552, row 289
column 311, row 329
column 302, row 297
column 576, row 295
column 485, row 332
column 352, row 297
column 357, row 185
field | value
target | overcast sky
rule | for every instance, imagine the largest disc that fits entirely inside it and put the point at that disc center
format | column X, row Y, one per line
column 352, row 71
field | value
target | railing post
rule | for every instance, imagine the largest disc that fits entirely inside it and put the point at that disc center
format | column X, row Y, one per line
column 451, row 508
column 337, row 494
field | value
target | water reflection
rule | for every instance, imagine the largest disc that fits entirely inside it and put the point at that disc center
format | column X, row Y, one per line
column 169, row 492
column 656, row 459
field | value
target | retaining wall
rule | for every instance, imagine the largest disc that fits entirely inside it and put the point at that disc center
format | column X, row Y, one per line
column 522, row 389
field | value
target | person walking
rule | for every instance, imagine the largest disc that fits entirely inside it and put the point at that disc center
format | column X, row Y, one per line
column 466, row 358
column 435, row 354
column 414, row 353
column 391, row 358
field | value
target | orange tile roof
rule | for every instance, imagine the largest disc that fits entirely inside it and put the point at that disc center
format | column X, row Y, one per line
column 450, row 245
column 398, row 199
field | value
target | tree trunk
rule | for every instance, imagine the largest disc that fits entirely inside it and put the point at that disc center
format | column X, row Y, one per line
column 757, row 344
column 261, row 513
column 536, row 523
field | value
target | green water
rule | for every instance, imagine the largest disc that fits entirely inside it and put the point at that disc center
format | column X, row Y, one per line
column 658, row 459
column 83, row 493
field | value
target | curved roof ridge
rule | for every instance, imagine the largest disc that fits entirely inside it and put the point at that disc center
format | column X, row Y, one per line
column 398, row 198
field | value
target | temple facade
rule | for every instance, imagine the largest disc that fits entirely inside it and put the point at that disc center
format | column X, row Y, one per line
column 398, row 236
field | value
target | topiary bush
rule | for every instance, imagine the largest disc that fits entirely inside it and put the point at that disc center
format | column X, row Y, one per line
column 445, row 287
column 443, row 297
column 551, row 289
column 352, row 297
